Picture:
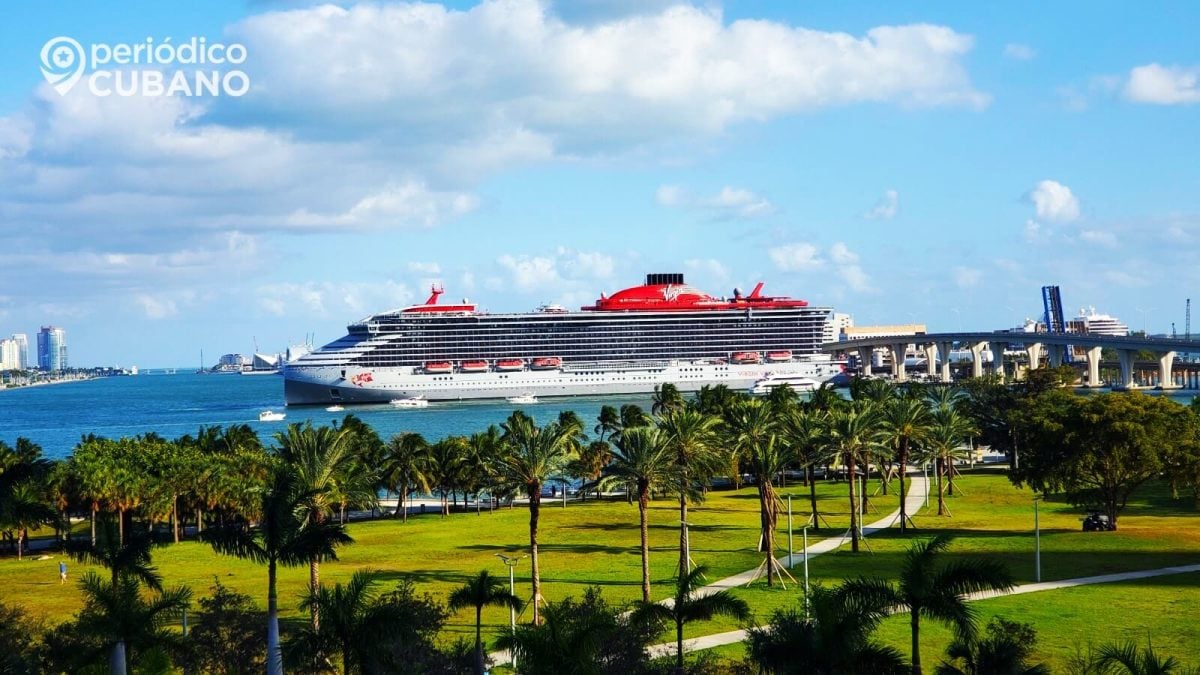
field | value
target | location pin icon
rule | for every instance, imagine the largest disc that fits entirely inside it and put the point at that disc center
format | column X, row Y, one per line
column 63, row 62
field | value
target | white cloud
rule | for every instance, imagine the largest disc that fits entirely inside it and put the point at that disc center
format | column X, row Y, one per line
column 328, row 299
column 1054, row 202
column 856, row 278
column 709, row 267
column 842, row 255
column 1163, row 85
column 1034, row 232
column 585, row 264
column 431, row 268
column 670, row 195
column 965, row 277
column 1019, row 52
column 531, row 273
column 157, row 307
column 728, row 202
column 406, row 204
column 886, row 207
column 1099, row 238
column 796, row 257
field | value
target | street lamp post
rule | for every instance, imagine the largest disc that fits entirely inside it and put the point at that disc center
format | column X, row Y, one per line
column 790, row 549
column 804, row 534
column 1037, row 543
column 511, row 562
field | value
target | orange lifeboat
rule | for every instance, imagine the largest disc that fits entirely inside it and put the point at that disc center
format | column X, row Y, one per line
column 745, row 357
column 474, row 366
column 438, row 367
column 778, row 356
column 510, row 364
column 546, row 363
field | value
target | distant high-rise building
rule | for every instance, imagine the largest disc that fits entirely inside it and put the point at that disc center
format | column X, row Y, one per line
column 22, row 341
column 52, row 348
column 10, row 354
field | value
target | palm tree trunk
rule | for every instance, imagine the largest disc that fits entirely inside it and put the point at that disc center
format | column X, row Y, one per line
column 853, row 504
column 643, row 504
column 21, row 534
column 535, row 504
column 95, row 507
column 402, row 505
column 685, row 553
column 314, row 582
column 941, row 497
column 903, row 473
column 175, row 516
column 478, row 640
column 914, row 620
column 116, row 659
column 768, row 531
column 812, row 498
column 274, row 655
column 120, row 526
column 678, row 638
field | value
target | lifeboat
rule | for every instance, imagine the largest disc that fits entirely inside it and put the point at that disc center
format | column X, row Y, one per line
column 546, row 363
column 510, row 364
column 473, row 366
column 778, row 356
column 438, row 367
column 745, row 357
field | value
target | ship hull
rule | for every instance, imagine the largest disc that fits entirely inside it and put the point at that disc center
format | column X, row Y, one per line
column 323, row 385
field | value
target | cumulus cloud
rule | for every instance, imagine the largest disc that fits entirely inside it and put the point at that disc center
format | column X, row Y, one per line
column 157, row 307
column 1163, row 85
column 796, row 257
column 886, row 207
column 430, row 268
column 1054, row 202
column 1019, row 52
column 410, row 203
column 728, row 202
column 328, row 299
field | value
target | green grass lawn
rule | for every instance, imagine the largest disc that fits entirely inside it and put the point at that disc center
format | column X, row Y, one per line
column 595, row 543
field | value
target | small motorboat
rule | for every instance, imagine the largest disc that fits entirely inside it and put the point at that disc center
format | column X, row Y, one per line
column 334, row 408
column 779, row 356
column 473, row 366
column 745, row 357
column 510, row 364
column 271, row 416
column 438, row 367
column 546, row 363
column 410, row 402
column 523, row 399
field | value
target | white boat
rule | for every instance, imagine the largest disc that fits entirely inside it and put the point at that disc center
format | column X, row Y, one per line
column 798, row 383
column 334, row 408
column 410, row 402
column 523, row 399
column 271, row 416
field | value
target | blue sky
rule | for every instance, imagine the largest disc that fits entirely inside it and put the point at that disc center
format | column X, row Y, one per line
column 936, row 162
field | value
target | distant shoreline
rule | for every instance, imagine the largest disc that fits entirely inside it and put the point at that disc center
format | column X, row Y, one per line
column 9, row 386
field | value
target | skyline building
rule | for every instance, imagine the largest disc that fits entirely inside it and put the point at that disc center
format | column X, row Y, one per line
column 10, row 354
column 52, row 349
column 22, row 341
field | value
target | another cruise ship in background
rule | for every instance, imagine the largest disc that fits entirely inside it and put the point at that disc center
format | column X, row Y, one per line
column 664, row 331
column 1092, row 322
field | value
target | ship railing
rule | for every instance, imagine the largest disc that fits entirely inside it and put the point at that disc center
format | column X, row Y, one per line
column 578, row 366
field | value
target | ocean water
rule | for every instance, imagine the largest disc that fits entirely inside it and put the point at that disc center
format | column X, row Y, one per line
column 56, row 416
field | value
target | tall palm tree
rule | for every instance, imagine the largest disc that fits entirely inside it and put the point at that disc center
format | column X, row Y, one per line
column 22, row 508
column 325, row 466
column 118, row 614
column 691, row 438
column 406, row 466
column 666, row 398
column 947, row 431
column 482, row 590
column 532, row 455
column 479, row 464
column 608, row 422
column 834, row 638
column 853, row 434
column 446, row 460
column 690, row 606
column 129, row 558
column 642, row 458
column 751, row 431
column 932, row 589
column 905, row 421
column 802, row 430
column 285, row 536
column 360, row 623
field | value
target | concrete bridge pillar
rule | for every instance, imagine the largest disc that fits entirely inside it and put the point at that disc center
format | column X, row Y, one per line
column 1056, row 355
column 898, row 351
column 1126, row 358
column 1093, row 361
column 944, row 350
column 977, row 358
column 998, row 358
column 930, row 360
column 1166, row 378
column 1035, row 354
column 864, row 361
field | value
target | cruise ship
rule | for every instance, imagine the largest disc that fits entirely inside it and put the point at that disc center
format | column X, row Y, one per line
column 664, row 331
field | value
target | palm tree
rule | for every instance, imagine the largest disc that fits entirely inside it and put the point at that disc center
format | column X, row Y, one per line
column 608, row 422
column 446, row 458
column 751, row 431
column 834, row 638
column 802, row 431
column 853, row 434
column 690, row 436
column 690, row 606
column 22, row 508
column 531, row 456
column 324, row 465
column 666, row 399
column 929, row 588
column 406, row 466
column 119, row 616
column 1005, row 650
column 129, row 558
column 643, row 459
column 357, row 620
column 905, row 421
column 1129, row 658
column 285, row 536
column 479, row 464
column 482, row 590
column 948, row 429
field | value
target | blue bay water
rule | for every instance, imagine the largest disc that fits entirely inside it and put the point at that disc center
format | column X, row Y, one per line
column 56, row 416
